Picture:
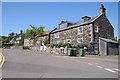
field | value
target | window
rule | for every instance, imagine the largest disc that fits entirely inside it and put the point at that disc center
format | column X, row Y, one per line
column 56, row 35
column 69, row 40
column 91, row 30
column 96, row 28
column 80, row 40
column 80, row 30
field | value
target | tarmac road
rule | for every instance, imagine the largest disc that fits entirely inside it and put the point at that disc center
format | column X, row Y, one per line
column 30, row 64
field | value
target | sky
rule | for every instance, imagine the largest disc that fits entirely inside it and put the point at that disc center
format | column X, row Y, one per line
column 19, row 15
column 119, row 20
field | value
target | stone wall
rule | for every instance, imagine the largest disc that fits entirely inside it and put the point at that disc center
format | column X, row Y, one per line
column 105, row 29
column 28, row 42
column 41, row 39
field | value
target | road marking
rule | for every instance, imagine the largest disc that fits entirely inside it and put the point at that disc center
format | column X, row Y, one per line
column 109, row 70
column 117, row 69
column 90, row 64
column 99, row 66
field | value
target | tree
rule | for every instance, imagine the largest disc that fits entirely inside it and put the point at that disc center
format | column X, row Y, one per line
column 116, row 39
column 11, row 35
column 29, row 33
column 33, row 32
column 21, row 31
column 4, row 39
column 40, row 30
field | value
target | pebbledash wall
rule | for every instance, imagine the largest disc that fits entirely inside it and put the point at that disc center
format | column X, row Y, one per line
column 85, row 31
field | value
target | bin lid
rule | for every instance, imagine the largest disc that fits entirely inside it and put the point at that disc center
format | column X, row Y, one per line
column 81, row 48
column 69, row 48
column 73, row 48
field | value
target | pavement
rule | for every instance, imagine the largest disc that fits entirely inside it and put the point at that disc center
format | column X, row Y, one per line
column 31, row 64
column 1, row 60
column 1, row 63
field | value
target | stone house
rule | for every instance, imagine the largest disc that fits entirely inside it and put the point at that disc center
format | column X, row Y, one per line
column 88, row 30
column 28, row 42
column 44, row 37
column 18, row 39
column 40, row 39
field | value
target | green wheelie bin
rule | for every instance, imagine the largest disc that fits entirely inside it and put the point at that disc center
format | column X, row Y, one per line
column 71, row 52
column 81, row 52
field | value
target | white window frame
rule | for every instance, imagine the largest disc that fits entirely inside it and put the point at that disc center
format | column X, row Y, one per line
column 79, row 32
column 56, row 35
column 97, row 28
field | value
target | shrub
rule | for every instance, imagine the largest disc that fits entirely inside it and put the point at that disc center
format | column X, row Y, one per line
column 50, row 45
column 58, row 45
column 66, row 44
column 18, row 44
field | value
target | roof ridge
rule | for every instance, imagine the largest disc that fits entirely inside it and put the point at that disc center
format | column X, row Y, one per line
column 79, row 23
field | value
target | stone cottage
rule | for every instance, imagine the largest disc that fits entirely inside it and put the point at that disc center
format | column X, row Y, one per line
column 18, row 39
column 42, row 38
column 88, row 30
column 28, row 42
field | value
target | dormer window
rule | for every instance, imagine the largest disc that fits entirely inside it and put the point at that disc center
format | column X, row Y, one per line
column 64, row 24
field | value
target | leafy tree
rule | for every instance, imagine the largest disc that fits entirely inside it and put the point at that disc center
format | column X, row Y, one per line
column 116, row 39
column 33, row 32
column 21, row 31
column 40, row 30
column 4, row 39
column 11, row 36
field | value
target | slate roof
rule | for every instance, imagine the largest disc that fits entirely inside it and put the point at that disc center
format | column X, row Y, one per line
column 44, row 34
column 79, row 23
column 107, row 40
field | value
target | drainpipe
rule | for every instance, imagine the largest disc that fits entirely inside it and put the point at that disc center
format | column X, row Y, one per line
column 49, row 37
column 92, row 33
column 93, row 36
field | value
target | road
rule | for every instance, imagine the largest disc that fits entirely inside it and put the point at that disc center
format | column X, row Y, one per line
column 30, row 64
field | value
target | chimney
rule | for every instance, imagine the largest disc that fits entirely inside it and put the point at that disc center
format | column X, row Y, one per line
column 86, row 18
column 102, row 10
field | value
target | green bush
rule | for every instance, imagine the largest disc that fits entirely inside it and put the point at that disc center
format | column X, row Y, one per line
column 50, row 45
column 58, row 45
column 66, row 44
column 18, row 44
column 45, row 42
